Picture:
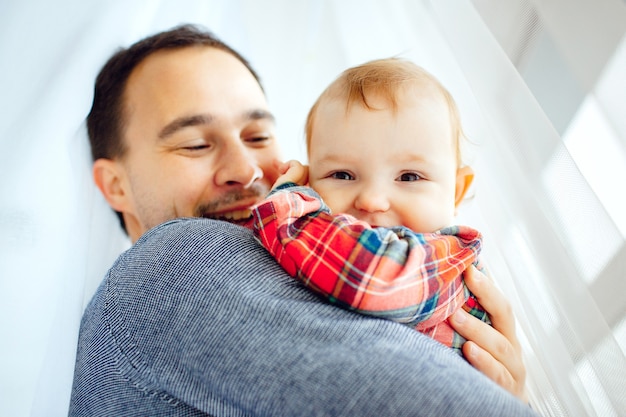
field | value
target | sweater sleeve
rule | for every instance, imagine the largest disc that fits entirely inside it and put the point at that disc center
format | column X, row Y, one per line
column 386, row 272
column 196, row 319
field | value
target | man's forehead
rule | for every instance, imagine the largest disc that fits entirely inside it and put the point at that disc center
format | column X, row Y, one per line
column 183, row 63
column 189, row 81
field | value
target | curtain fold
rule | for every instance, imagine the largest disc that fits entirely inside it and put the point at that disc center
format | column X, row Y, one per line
column 546, row 222
column 552, row 240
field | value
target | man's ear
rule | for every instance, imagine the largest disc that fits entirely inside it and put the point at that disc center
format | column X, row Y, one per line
column 109, row 178
column 464, row 179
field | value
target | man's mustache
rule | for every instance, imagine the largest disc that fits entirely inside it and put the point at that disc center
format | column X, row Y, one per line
column 255, row 191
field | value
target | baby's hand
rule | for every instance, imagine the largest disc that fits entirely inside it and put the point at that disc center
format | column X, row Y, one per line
column 292, row 171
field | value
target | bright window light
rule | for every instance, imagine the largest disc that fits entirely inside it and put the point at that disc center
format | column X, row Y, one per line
column 601, row 158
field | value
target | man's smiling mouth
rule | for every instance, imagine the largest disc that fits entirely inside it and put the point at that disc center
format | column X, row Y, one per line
column 235, row 216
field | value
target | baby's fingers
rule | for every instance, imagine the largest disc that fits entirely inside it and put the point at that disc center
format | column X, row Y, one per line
column 292, row 171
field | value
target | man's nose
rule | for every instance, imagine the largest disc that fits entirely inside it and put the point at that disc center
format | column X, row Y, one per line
column 237, row 166
column 372, row 199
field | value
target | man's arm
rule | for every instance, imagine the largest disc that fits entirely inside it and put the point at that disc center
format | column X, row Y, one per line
column 196, row 319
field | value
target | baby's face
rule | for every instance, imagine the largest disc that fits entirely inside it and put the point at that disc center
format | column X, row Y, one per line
column 386, row 168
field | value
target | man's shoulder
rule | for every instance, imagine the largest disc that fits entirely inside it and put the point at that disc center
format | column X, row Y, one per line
column 186, row 250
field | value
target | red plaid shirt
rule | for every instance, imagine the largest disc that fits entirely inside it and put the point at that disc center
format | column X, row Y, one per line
column 393, row 273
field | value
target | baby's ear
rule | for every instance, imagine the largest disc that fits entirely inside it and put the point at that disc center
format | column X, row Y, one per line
column 464, row 179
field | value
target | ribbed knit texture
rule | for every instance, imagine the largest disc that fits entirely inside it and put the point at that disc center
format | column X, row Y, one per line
column 196, row 319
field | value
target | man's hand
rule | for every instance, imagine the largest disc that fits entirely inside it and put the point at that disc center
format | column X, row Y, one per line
column 291, row 171
column 495, row 351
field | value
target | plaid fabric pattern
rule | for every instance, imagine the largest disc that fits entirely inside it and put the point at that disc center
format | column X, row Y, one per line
column 393, row 273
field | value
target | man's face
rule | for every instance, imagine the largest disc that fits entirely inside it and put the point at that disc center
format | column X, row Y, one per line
column 199, row 139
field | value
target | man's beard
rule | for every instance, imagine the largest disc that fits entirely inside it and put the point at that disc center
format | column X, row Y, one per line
column 213, row 208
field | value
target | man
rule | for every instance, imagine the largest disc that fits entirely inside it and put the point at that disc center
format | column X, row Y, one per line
column 196, row 319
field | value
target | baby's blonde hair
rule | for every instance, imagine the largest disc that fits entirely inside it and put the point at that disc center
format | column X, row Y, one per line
column 384, row 78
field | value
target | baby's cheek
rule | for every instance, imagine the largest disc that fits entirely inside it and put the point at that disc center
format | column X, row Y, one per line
column 429, row 218
column 334, row 206
column 329, row 197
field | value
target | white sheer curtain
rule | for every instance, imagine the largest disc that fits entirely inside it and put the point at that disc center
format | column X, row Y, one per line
column 541, row 89
column 556, row 238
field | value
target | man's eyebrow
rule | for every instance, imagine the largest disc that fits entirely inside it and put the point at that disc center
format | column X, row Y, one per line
column 260, row 114
column 183, row 122
column 203, row 119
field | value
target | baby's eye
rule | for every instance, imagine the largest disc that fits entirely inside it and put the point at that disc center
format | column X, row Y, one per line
column 409, row 176
column 341, row 175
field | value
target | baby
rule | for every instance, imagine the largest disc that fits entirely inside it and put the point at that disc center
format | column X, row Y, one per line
column 383, row 142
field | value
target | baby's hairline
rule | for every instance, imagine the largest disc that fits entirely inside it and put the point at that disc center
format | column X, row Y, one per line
column 375, row 105
column 386, row 79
